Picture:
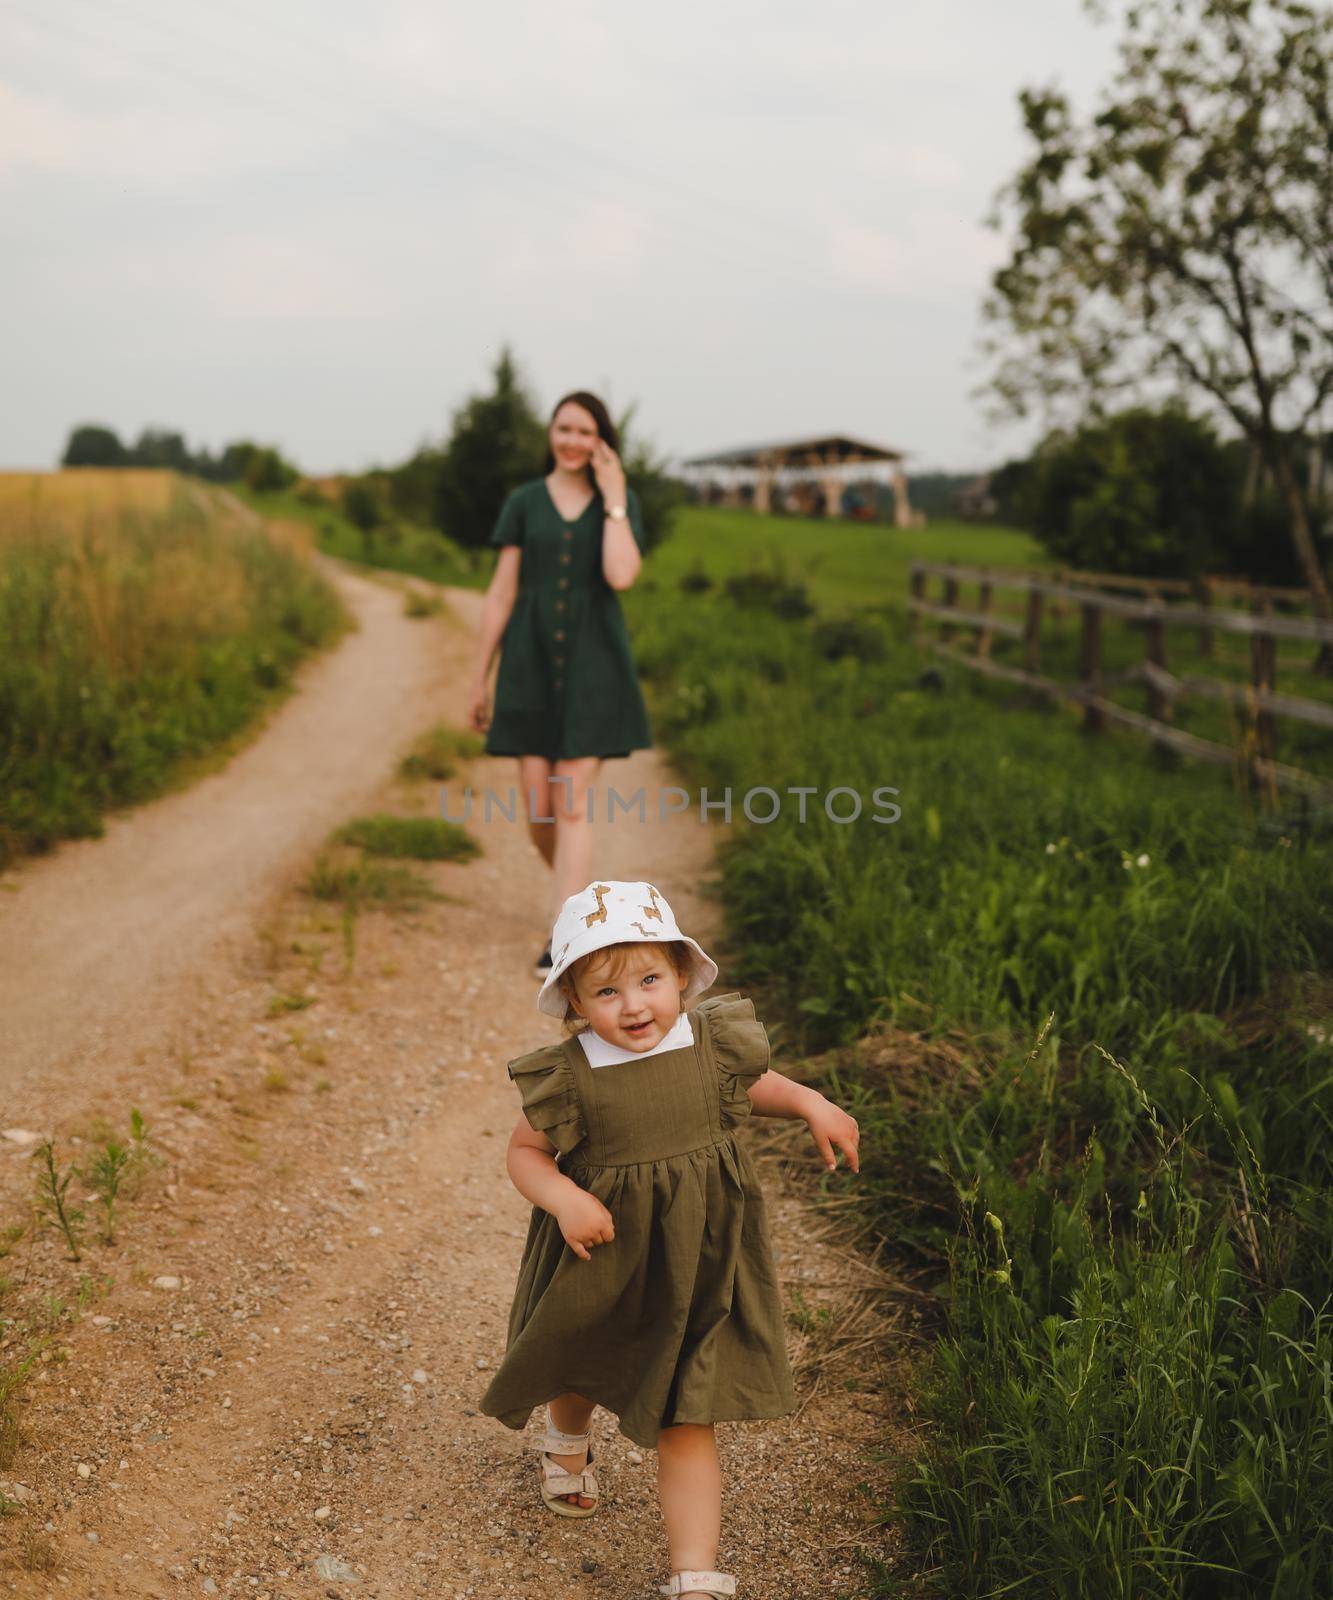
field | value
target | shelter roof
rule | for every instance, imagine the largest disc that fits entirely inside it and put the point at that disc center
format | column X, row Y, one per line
column 833, row 449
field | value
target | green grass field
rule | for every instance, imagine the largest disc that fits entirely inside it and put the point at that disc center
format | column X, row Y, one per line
column 846, row 565
column 850, row 567
column 1081, row 1004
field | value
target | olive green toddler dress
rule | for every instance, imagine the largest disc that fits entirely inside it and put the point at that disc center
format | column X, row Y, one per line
column 679, row 1318
column 567, row 684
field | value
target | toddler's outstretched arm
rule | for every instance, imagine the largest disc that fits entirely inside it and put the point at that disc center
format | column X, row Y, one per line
column 774, row 1095
column 530, row 1161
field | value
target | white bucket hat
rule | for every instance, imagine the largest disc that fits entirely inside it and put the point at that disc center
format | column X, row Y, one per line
column 611, row 912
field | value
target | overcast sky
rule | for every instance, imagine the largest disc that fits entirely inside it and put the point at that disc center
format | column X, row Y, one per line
column 316, row 223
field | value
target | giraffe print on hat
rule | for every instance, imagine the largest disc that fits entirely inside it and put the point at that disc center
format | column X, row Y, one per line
column 599, row 889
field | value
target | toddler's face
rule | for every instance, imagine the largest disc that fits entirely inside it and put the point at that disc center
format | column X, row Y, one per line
column 638, row 1007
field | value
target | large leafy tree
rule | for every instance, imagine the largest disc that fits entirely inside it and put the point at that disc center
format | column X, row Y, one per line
column 1180, row 238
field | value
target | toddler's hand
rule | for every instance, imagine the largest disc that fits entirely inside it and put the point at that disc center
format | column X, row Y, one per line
column 830, row 1125
column 584, row 1221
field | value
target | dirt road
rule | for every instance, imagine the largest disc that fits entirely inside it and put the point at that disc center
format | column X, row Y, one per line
column 105, row 934
column 270, row 1386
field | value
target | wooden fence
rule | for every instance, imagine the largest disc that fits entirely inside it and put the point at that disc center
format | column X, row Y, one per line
column 1258, row 700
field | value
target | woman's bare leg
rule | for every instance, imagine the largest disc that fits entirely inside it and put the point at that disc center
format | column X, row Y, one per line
column 689, row 1485
column 534, row 776
column 573, row 831
column 571, row 1413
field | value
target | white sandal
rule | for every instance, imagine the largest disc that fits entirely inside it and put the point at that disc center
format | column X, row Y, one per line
column 721, row 1585
column 556, row 1481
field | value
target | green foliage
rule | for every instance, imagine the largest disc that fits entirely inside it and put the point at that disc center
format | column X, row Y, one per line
column 415, row 838
column 115, row 1168
column 660, row 496
column 357, row 883
column 105, row 689
column 1145, row 492
column 861, row 638
column 497, row 442
column 91, row 445
column 418, row 603
column 363, row 505
column 394, row 544
column 261, row 468
column 438, row 751
column 1182, row 233
column 104, row 1177
column 769, row 588
column 52, row 1201
column 1131, row 1395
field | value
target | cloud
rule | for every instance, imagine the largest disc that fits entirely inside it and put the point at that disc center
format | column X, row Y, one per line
column 154, row 145
column 931, row 254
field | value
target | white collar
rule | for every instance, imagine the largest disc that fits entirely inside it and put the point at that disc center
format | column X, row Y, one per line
column 601, row 1053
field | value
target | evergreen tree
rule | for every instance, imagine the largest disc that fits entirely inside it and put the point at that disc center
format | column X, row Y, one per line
column 496, row 443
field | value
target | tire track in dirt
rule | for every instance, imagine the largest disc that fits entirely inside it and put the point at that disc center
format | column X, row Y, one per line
column 298, row 1417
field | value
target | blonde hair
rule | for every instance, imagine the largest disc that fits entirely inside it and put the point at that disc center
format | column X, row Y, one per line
column 616, row 956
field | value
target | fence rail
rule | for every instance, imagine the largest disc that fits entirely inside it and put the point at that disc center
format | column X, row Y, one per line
column 1258, row 699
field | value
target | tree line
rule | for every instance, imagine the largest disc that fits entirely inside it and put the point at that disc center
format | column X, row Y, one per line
column 496, row 440
column 1157, row 493
column 259, row 467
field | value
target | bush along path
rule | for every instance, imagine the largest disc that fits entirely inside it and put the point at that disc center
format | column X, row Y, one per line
column 267, row 1385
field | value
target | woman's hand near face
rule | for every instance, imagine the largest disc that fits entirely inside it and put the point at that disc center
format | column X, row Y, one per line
column 609, row 473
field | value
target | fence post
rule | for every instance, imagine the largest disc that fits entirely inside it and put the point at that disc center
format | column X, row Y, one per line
column 1091, row 663
column 1032, row 630
column 950, row 599
column 1203, row 594
column 1263, row 674
column 1159, row 703
column 984, row 637
column 917, row 584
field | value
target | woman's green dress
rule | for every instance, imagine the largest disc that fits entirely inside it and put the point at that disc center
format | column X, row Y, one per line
column 567, row 685
column 679, row 1318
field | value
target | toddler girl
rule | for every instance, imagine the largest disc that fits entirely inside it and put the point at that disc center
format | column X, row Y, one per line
column 647, row 1283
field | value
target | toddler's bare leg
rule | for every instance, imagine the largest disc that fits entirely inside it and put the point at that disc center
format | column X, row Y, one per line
column 571, row 1413
column 689, row 1484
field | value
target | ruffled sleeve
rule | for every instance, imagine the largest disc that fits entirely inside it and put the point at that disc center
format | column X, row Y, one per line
column 550, row 1097
column 740, row 1048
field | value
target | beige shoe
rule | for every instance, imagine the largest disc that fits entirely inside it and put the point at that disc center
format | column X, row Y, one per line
column 721, row 1585
column 556, row 1481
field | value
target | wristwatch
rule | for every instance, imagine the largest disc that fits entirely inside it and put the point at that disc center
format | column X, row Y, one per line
column 616, row 513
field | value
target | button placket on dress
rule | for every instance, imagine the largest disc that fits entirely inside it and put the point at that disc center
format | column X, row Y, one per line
column 565, row 559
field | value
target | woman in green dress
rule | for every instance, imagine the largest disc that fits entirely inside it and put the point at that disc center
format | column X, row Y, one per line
column 567, row 694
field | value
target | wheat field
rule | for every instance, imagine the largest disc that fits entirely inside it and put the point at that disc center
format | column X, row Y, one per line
column 146, row 617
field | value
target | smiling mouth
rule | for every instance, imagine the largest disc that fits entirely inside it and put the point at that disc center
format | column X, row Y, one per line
column 638, row 1027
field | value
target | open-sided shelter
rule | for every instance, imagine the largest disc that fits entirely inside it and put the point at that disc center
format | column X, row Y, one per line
column 830, row 462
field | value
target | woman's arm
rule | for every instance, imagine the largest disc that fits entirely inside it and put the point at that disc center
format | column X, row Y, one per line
column 620, row 553
column 584, row 1221
column 620, row 550
column 499, row 604
column 776, row 1096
